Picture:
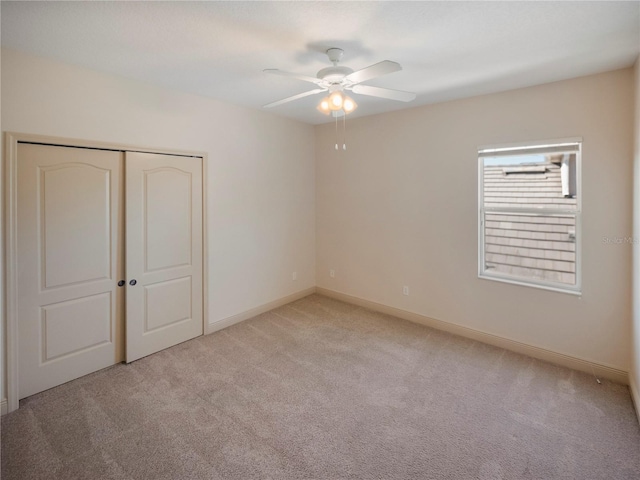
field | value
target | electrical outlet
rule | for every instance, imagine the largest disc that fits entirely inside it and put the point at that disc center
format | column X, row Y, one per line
column 405, row 290
column 332, row 273
column 294, row 276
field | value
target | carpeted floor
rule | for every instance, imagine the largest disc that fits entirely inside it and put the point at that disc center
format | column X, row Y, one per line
column 320, row 389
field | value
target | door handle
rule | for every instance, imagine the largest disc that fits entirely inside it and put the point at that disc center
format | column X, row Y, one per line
column 121, row 283
column 133, row 282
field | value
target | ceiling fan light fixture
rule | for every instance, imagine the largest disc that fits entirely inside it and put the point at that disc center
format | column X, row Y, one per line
column 337, row 103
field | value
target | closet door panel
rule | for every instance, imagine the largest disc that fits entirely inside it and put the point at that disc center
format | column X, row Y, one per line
column 86, row 255
column 174, row 250
column 163, row 251
column 68, row 263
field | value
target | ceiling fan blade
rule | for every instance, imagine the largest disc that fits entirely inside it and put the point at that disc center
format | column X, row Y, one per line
column 384, row 93
column 373, row 71
column 306, row 78
column 295, row 97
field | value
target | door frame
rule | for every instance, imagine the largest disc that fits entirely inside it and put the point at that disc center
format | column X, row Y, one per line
column 10, row 291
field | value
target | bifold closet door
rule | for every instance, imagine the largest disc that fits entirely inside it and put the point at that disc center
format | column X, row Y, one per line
column 69, row 307
column 163, row 251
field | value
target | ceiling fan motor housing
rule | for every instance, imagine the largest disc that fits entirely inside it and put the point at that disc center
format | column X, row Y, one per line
column 334, row 75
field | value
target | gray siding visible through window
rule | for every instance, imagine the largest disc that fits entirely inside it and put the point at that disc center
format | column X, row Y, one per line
column 533, row 246
column 537, row 247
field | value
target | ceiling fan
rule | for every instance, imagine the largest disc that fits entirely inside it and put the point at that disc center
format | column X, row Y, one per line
column 337, row 79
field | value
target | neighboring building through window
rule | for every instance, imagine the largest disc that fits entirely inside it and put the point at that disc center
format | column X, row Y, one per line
column 529, row 201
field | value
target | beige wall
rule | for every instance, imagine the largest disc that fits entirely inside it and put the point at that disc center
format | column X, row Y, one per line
column 400, row 208
column 261, row 177
column 635, row 364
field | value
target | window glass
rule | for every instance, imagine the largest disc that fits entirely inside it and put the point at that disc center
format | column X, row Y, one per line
column 529, row 215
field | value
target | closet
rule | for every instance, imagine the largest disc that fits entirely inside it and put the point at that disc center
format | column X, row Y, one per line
column 108, row 258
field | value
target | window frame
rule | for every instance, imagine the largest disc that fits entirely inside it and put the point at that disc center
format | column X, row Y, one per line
column 523, row 148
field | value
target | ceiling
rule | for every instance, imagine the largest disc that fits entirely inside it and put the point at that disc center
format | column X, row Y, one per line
column 448, row 50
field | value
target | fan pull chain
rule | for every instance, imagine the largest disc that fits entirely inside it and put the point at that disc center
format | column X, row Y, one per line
column 344, row 131
column 336, row 133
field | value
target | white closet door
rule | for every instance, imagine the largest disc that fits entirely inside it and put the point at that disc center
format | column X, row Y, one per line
column 163, row 251
column 69, row 305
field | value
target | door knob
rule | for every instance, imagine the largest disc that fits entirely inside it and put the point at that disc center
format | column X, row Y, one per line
column 121, row 283
column 133, row 282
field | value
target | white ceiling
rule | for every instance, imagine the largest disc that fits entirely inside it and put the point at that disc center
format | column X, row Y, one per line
column 448, row 50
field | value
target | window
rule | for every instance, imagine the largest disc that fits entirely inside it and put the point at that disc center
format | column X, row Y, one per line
column 529, row 214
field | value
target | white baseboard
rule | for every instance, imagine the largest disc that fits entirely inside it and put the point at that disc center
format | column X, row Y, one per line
column 635, row 395
column 3, row 406
column 600, row 370
column 240, row 317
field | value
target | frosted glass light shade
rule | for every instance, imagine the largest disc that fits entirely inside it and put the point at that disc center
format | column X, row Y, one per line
column 335, row 100
column 349, row 105
column 323, row 106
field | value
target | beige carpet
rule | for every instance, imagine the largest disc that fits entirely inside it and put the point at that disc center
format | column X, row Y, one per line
column 321, row 389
